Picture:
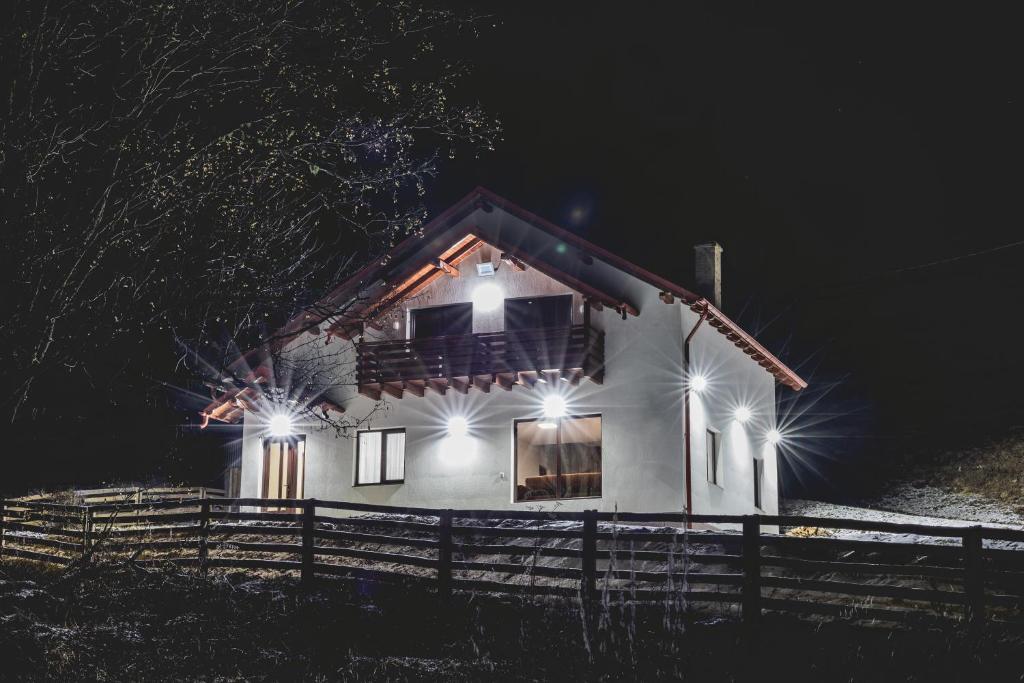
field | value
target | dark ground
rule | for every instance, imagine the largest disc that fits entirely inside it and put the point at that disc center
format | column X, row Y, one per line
column 133, row 625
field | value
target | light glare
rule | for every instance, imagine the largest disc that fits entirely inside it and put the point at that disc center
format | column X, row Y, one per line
column 280, row 425
column 487, row 297
column 554, row 406
column 774, row 437
column 743, row 414
column 458, row 426
column 698, row 383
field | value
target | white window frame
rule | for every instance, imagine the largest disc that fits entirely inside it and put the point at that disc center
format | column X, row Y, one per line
column 384, row 438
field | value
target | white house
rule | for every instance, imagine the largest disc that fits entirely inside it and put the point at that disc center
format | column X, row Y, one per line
column 499, row 361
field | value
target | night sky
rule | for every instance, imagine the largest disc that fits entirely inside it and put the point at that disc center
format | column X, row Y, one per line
column 860, row 165
column 850, row 160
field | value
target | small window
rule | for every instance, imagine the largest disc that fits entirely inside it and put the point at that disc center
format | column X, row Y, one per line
column 380, row 457
column 558, row 458
column 711, row 441
column 758, row 482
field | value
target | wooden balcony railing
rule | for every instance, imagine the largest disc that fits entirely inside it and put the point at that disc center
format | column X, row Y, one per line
column 480, row 360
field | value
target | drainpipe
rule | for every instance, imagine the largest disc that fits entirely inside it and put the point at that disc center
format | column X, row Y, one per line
column 686, row 411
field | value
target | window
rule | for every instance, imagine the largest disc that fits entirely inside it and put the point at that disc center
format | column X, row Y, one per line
column 711, row 441
column 534, row 313
column 284, row 462
column 440, row 321
column 380, row 457
column 758, row 481
column 558, row 458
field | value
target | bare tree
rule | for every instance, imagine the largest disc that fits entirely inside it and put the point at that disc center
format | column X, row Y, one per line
column 178, row 178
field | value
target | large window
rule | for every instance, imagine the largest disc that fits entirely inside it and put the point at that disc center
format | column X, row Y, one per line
column 440, row 321
column 558, row 458
column 380, row 457
column 284, row 462
column 711, row 441
column 538, row 312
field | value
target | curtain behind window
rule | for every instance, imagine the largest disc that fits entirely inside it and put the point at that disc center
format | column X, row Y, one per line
column 369, row 458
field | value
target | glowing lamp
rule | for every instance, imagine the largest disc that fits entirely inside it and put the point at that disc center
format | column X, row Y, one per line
column 280, row 425
column 774, row 437
column 487, row 297
column 554, row 406
column 743, row 414
column 458, row 426
column 698, row 383
column 547, row 425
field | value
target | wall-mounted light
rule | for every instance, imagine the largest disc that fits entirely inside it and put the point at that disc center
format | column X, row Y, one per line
column 774, row 437
column 698, row 383
column 487, row 297
column 554, row 406
column 458, row 426
column 743, row 414
column 280, row 425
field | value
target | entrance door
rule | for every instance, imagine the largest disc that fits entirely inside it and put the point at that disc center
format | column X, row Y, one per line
column 284, row 461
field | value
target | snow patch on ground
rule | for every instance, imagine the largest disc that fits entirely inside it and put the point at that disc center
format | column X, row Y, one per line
column 817, row 508
column 936, row 502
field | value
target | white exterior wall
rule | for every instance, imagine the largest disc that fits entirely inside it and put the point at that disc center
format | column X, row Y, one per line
column 640, row 402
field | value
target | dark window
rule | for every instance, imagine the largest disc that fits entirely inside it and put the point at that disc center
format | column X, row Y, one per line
column 758, row 481
column 538, row 312
column 439, row 321
column 558, row 458
column 711, row 442
column 380, row 457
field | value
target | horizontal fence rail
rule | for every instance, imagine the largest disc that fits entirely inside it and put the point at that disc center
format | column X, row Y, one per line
column 733, row 563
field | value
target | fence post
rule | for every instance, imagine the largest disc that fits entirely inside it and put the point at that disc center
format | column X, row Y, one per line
column 3, row 519
column 751, row 569
column 974, row 576
column 86, row 530
column 444, row 554
column 588, row 567
column 204, row 536
column 308, row 525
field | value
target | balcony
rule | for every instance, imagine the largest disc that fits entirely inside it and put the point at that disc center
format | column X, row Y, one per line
column 460, row 362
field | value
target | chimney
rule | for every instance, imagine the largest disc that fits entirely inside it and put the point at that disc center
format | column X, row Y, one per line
column 709, row 272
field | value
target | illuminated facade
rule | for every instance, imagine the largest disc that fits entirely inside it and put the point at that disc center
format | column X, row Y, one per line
column 499, row 361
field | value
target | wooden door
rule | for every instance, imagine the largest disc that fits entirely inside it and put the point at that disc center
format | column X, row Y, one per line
column 284, row 462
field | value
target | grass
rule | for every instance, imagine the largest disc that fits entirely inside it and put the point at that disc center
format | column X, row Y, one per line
column 994, row 470
column 127, row 624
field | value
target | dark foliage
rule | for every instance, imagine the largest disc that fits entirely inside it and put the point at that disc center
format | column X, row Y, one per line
column 178, row 178
column 167, row 626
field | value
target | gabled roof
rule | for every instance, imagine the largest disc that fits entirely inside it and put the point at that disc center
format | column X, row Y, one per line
column 420, row 259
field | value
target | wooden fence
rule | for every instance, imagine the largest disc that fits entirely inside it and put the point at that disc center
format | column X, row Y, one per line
column 955, row 573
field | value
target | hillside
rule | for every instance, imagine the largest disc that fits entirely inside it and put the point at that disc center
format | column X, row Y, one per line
column 982, row 484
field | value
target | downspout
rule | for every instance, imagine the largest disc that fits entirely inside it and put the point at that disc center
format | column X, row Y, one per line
column 686, row 411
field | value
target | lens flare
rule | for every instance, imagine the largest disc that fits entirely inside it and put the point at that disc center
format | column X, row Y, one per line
column 743, row 414
column 698, row 383
column 774, row 437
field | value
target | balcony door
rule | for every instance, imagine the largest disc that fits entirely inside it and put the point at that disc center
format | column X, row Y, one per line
column 284, row 464
column 441, row 321
column 538, row 312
